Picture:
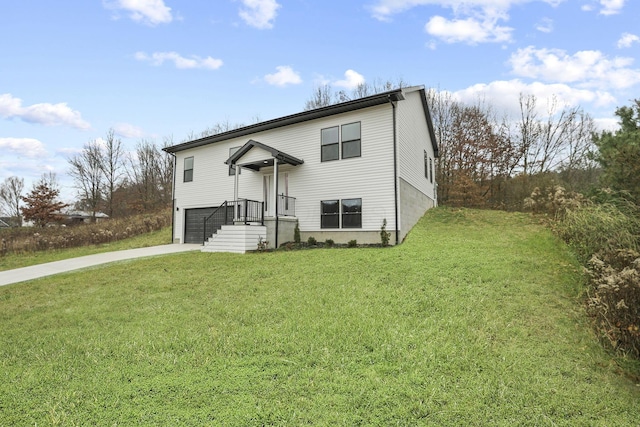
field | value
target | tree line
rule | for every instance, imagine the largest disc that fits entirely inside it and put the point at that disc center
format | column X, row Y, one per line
column 488, row 158
column 107, row 178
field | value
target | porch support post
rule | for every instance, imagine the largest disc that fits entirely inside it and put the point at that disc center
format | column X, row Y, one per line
column 236, row 214
column 275, row 193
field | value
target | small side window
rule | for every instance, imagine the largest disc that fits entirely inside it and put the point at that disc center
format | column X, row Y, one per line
column 188, row 169
column 431, row 170
column 426, row 165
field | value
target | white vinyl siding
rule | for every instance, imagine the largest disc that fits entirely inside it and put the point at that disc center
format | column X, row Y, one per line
column 414, row 141
column 368, row 177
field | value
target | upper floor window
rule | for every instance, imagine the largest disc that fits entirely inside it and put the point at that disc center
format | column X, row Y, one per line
column 431, row 170
column 347, row 136
column 188, row 169
column 330, row 144
column 351, row 140
column 426, row 165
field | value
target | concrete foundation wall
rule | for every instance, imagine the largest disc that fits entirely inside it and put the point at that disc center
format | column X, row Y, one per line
column 344, row 236
column 286, row 227
column 413, row 205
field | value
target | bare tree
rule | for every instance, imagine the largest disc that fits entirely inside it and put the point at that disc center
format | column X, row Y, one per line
column 112, row 167
column 144, row 171
column 322, row 96
column 11, row 196
column 86, row 170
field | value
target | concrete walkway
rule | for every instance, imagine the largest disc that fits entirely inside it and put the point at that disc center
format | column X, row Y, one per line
column 41, row 270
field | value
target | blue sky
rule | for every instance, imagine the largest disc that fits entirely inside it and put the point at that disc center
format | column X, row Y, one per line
column 153, row 69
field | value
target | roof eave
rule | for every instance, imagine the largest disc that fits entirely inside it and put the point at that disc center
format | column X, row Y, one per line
column 356, row 104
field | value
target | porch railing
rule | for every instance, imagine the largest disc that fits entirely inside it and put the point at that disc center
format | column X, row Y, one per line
column 286, row 205
column 248, row 211
column 233, row 212
column 223, row 215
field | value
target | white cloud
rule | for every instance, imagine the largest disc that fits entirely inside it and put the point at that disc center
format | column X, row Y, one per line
column 28, row 147
column 158, row 58
column 283, row 77
column 611, row 7
column 587, row 68
column 545, row 25
column 468, row 30
column 151, row 12
column 504, row 95
column 627, row 39
column 259, row 13
column 473, row 21
column 351, row 80
column 127, row 130
column 44, row 113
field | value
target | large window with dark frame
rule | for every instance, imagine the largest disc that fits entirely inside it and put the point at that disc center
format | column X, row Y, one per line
column 351, row 213
column 340, row 142
column 351, row 140
column 330, row 144
column 188, row 169
column 330, row 214
column 345, row 213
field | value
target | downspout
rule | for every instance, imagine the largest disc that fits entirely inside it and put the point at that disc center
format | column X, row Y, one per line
column 275, row 206
column 173, row 197
column 395, row 170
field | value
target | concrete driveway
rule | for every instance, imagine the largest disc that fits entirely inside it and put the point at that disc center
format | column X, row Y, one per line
column 41, row 270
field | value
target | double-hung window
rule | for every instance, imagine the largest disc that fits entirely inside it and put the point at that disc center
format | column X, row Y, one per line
column 330, row 215
column 188, row 169
column 340, row 141
column 345, row 213
column 351, row 213
column 330, row 144
column 351, row 140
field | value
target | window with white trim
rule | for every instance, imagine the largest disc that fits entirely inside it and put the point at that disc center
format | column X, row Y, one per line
column 188, row 169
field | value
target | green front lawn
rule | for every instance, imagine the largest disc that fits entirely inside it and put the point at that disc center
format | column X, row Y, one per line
column 475, row 320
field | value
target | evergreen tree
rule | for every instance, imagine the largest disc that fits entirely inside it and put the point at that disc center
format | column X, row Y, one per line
column 619, row 153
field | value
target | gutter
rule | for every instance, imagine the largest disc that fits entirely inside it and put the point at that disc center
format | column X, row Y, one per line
column 395, row 169
column 173, row 196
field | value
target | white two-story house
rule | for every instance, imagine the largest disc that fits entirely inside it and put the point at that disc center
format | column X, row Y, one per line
column 337, row 171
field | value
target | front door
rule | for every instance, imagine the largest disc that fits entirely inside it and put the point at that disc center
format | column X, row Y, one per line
column 268, row 195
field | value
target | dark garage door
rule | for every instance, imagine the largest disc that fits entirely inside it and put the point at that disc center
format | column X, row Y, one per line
column 194, row 224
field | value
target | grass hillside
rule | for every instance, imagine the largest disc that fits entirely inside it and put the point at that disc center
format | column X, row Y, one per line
column 475, row 320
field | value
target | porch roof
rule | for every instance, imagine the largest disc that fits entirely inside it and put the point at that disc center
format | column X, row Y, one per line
column 275, row 153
